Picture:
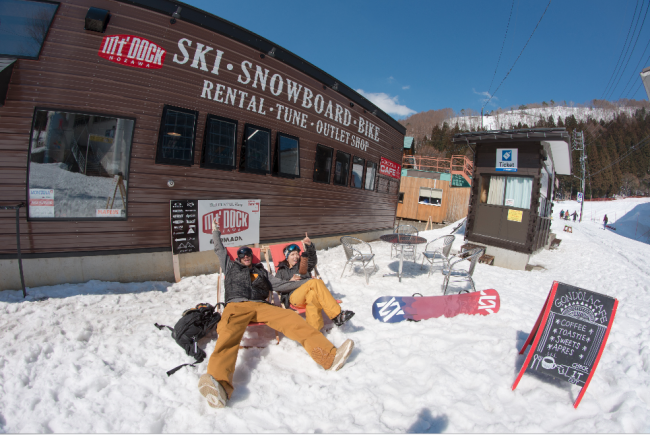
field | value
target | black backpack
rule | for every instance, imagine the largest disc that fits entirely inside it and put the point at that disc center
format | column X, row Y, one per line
column 195, row 324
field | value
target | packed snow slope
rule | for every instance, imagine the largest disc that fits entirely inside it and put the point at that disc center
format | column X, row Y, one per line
column 87, row 358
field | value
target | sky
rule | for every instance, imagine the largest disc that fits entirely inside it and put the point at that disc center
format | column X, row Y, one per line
column 414, row 56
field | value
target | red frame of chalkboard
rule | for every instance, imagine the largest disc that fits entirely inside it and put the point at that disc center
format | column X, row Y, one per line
column 534, row 337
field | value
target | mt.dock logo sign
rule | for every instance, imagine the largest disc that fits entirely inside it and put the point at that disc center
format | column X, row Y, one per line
column 132, row 51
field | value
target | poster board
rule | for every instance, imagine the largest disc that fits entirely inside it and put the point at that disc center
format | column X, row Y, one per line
column 191, row 223
column 569, row 336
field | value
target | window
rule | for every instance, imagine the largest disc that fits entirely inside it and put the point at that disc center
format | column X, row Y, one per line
column 323, row 164
column 401, row 197
column 256, row 150
column 430, row 196
column 78, row 165
column 24, row 27
column 176, row 137
column 506, row 191
column 371, row 173
column 220, row 144
column 341, row 168
column 357, row 172
column 288, row 156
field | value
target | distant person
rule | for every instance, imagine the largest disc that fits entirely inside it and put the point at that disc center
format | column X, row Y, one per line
column 605, row 220
column 575, row 215
column 562, row 214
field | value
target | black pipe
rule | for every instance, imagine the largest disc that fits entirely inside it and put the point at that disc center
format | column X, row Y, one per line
column 20, row 260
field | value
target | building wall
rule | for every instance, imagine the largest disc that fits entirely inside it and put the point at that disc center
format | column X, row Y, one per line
column 70, row 76
column 453, row 206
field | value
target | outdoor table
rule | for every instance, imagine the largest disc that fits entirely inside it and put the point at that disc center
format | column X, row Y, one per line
column 402, row 240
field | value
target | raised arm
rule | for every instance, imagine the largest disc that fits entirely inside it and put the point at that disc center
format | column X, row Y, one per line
column 311, row 252
column 221, row 252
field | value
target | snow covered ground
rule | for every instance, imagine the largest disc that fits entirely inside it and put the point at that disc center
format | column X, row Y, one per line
column 87, row 357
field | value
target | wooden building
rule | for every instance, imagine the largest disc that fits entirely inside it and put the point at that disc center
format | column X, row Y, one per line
column 434, row 188
column 511, row 204
column 115, row 107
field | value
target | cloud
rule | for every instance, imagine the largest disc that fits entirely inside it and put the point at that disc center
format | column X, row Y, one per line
column 486, row 96
column 387, row 103
column 390, row 79
column 406, row 87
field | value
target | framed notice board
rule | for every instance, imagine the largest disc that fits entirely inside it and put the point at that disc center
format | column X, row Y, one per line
column 570, row 335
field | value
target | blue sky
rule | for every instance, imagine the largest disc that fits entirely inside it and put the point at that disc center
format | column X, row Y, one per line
column 413, row 56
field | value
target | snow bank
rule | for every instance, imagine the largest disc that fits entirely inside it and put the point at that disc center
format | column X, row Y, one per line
column 87, row 357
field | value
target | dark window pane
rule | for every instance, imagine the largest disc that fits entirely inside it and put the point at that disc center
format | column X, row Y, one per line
column 257, row 149
column 176, row 141
column 23, row 26
column 371, row 172
column 357, row 172
column 341, row 168
column 288, row 156
column 78, row 165
column 220, row 142
column 323, row 164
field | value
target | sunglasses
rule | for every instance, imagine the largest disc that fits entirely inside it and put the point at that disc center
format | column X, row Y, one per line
column 242, row 252
column 289, row 249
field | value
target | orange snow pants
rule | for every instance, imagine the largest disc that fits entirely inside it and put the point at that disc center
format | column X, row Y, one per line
column 315, row 295
column 234, row 320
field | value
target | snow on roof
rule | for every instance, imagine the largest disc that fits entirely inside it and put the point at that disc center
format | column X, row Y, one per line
column 408, row 142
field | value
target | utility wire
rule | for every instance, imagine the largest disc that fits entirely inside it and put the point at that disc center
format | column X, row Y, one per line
column 522, row 51
column 620, row 55
column 502, row 45
column 634, row 148
column 636, row 68
column 633, row 47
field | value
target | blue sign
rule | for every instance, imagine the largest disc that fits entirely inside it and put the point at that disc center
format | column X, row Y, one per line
column 507, row 159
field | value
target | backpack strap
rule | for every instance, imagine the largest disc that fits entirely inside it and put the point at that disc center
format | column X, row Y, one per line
column 163, row 326
column 175, row 369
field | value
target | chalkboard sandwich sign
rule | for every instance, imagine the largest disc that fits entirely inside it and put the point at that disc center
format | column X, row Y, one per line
column 570, row 335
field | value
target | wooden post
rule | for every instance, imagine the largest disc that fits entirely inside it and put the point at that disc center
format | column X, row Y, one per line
column 177, row 268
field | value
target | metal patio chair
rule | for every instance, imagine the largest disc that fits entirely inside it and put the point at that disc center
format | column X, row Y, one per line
column 441, row 252
column 357, row 250
column 459, row 274
column 409, row 250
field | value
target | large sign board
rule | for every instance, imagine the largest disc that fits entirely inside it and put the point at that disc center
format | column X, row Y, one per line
column 390, row 168
column 507, row 159
column 570, row 335
column 191, row 223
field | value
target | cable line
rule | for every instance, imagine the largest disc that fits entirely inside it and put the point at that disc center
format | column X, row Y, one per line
column 634, row 148
column 502, row 45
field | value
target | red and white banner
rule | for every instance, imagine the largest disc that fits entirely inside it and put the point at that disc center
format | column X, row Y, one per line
column 239, row 220
column 390, row 168
column 132, row 51
column 41, row 203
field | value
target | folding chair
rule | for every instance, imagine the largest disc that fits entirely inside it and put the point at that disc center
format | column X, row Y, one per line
column 439, row 252
column 357, row 250
column 408, row 249
column 472, row 256
column 257, row 252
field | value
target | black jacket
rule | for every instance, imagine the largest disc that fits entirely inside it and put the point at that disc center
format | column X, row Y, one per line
column 285, row 273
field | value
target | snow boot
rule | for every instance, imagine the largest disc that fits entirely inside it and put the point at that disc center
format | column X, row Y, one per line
column 342, row 354
column 212, row 391
column 343, row 317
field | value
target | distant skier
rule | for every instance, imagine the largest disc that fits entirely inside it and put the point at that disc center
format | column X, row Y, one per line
column 562, row 214
column 575, row 215
column 605, row 220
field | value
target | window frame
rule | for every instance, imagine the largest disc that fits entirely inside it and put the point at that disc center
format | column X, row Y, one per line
column 489, row 176
column 243, row 155
column 29, row 160
column 207, row 165
column 347, row 180
column 374, row 177
column 49, row 26
column 159, row 160
column 363, row 172
column 278, row 161
column 329, row 176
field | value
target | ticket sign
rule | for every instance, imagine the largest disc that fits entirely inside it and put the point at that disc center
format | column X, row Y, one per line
column 390, row 168
column 569, row 336
column 507, row 159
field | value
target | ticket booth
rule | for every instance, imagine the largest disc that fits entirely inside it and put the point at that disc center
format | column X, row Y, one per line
column 511, row 202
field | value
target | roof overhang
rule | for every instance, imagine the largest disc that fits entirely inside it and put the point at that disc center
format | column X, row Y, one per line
column 560, row 153
column 6, row 67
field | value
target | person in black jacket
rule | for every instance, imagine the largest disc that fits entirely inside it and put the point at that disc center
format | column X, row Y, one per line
column 247, row 286
column 299, row 289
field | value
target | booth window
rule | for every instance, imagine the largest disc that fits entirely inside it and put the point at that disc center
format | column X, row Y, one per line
column 176, row 137
column 430, row 196
column 220, row 143
column 323, row 164
column 401, row 197
column 341, row 168
column 78, row 165
column 288, row 156
column 357, row 172
column 371, row 173
column 25, row 24
column 256, row 150
column 506, row 191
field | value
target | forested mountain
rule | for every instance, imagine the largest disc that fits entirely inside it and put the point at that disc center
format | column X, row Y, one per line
column 617, row 141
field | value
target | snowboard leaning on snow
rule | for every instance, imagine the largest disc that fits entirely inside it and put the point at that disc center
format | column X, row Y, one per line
column 393, row 309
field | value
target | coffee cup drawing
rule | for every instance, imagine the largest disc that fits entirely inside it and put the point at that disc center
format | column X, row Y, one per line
column 548, row 363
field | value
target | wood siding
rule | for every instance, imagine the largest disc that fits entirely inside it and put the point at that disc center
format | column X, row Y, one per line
column 453, row 206
column 70, row 76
